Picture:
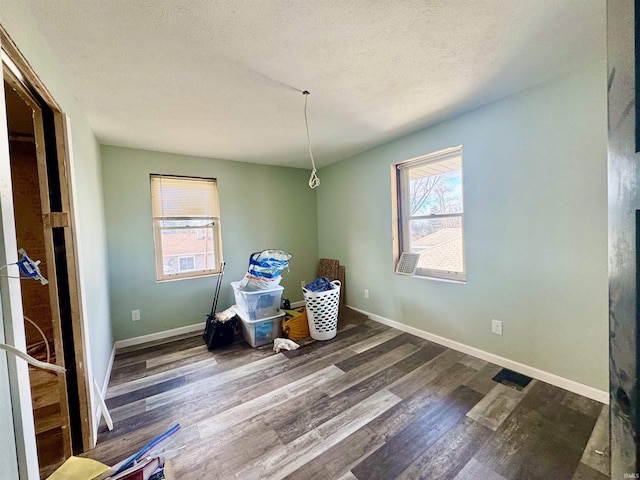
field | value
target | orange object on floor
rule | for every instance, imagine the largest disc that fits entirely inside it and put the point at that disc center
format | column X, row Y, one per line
column 296, row 327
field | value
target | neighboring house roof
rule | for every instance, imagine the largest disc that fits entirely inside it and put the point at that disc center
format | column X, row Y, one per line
column 438, row 237
column 444, row 255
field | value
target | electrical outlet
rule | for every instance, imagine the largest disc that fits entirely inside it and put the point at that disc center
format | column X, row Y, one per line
column 496, row 327
column 366, row 293
column 302, row 283
column 135, row 315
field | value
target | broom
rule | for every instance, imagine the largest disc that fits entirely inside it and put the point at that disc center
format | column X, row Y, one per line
column 211, row 318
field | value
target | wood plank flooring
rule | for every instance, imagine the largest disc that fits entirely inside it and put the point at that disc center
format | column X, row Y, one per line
column 373, row 403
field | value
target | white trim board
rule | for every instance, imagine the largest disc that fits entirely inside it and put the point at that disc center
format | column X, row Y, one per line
column 137, row 341
column 105, row 384
column 128, row 342
column 565, row 383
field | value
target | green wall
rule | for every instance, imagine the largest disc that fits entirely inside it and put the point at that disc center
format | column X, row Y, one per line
column 535, row 229
column 261, row 207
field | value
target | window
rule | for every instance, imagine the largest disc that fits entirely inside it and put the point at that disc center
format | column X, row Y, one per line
column 429, row 213
column 187, row 264
column 186, row 224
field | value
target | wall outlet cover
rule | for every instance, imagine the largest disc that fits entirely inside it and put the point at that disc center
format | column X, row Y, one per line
column 496, row 327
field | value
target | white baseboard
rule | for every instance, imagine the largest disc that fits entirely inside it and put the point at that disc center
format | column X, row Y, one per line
column 173, row 332
column 565, row 383
column 129, row 342
column 137, row 341
column 159, row 335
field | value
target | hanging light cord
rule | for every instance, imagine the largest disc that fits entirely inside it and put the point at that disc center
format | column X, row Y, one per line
column 314, row 181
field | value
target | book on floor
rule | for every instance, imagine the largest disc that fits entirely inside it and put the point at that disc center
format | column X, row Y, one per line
column 139, row 471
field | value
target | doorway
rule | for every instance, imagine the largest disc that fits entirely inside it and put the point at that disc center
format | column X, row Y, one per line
column 41, row 205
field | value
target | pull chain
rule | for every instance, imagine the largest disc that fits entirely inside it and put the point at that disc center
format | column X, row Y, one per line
column 314, row 181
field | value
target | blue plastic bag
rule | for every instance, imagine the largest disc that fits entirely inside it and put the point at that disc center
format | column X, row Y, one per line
column 321, row 284
column 264, row 270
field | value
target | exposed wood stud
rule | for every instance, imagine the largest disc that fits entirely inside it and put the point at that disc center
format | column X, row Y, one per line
column 55, row 219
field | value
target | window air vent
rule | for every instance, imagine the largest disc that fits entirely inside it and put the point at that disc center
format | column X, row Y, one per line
column 408, row 263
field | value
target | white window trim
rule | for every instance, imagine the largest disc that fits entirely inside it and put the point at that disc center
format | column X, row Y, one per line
column 164, row 277
column 400, row 197
column 157, row 232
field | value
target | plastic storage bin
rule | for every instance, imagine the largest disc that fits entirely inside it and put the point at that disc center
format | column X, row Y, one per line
column 322, row 312
column 259, row 332
column 259, row 304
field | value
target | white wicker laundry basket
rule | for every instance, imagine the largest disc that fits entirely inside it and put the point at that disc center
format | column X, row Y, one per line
column 322, row 311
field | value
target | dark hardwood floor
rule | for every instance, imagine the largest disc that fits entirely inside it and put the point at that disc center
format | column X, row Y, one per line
column 373, row 403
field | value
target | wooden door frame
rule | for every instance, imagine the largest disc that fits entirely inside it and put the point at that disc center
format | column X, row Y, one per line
column 13, row 321
column 27, row 76
column 38, row 126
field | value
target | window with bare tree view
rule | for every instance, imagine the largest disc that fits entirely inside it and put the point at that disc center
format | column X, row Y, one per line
column 430, row 213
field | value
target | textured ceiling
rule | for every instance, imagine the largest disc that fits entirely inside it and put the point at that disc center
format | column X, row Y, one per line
column 224, row 78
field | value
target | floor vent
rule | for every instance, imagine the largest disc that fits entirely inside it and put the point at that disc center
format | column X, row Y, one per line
column 512, row 379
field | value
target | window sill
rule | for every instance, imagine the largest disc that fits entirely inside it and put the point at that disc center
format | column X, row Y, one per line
column 187, row 277
column 437, row 279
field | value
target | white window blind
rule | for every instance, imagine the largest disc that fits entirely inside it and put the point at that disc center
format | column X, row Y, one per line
column 183, row 197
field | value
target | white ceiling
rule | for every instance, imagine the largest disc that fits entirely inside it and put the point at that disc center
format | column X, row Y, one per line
column 223, row 78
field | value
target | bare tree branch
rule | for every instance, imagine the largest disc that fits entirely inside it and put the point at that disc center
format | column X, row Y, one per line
column 421, row 189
